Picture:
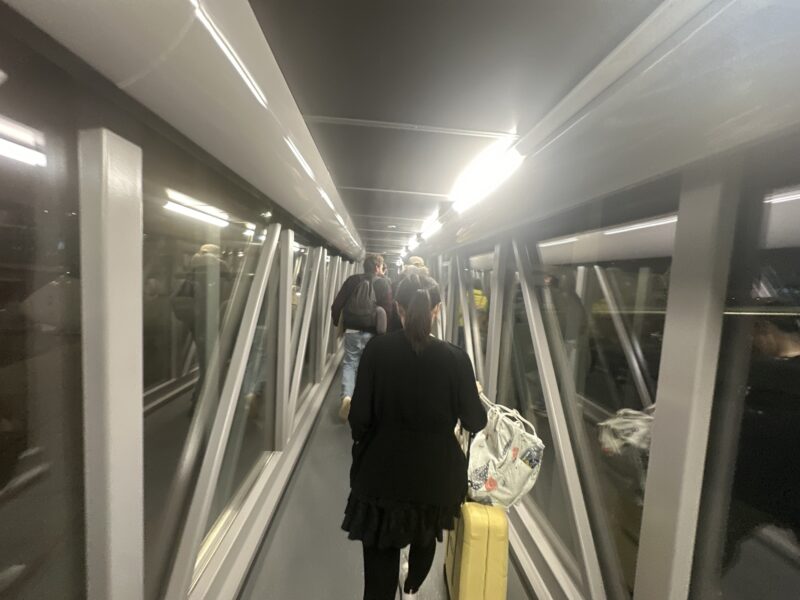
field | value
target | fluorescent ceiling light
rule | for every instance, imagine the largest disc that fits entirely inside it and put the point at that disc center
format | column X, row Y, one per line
column 248, row 233
column 403, row 253
column 785, row 196
column 266, row 215
column 413, row 242
column 22, row 154
column 295, row 246
column 645, row 225
column 230, row 53
column 430, row 226
column 299, row 157
column 251, row 226
column 485, row 174
column 558, row 242
column 22, row 134
column 196, row 214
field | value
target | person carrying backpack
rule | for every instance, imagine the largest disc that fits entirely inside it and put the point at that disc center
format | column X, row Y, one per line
column 364, row 303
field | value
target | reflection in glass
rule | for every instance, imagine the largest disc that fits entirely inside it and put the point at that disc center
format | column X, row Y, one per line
column 610, row 320
column 252, row 431
column 760, row 546
column 520, row 388
column 196, row 278
column 41, row 449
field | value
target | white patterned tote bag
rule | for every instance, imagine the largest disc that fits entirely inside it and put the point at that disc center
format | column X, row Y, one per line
column 504, row 459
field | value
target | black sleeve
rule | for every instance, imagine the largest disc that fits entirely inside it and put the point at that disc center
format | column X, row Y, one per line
column 470, row 408
column 361, row 405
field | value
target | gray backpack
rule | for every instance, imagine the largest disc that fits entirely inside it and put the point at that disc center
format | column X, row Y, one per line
column 361, row 309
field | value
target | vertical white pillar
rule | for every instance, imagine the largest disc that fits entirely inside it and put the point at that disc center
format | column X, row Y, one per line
column 111, row 287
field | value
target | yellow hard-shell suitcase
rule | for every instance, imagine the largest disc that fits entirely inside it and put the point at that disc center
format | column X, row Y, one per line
column 476, row 567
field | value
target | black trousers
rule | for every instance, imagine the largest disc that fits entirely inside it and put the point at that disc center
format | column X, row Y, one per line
column 382, row 570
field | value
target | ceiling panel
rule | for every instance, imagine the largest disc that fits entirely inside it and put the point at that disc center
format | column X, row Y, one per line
column 382, row 83
column 386, row 204
column 394, row 159
column 470, row 64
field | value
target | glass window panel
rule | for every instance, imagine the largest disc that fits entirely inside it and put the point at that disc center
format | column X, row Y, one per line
column 610, row 320
column 41, row 445
column 520, row 388
column 252, row 431
column 196, row 279
column 759, row 544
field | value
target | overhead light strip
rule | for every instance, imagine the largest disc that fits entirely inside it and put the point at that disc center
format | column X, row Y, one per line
column 487, row 172
column 558, row 242
column 230, row 53
column 22, row 154
column 780, row 197
column 22, row 134
column 195, row 214
column 644, row 225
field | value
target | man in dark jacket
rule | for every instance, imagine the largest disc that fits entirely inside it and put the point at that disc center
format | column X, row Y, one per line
column 356, row 336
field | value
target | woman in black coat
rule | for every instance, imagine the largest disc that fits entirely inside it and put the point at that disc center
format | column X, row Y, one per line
column 409, row 474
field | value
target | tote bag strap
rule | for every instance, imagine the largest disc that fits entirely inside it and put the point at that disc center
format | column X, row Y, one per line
column 512, row 414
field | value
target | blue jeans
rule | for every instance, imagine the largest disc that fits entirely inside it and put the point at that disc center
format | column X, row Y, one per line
column 354, row 344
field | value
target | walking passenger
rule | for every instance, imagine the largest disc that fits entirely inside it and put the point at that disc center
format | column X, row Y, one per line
column 358, row 304
column 409, row 475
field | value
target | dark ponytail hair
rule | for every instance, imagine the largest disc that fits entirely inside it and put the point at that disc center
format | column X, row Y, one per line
column 418, row 295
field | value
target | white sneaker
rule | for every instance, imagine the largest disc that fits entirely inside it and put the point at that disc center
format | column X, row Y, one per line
column 344, row 409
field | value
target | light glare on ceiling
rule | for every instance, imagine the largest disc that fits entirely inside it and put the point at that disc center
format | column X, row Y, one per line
column 430, row 226
column 327, row 198
column 485, row 174
column 299, row 157
column 229, row 52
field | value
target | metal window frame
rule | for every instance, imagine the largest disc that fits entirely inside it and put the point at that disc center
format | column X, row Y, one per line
column 227, row 569
column 464, row 305
column 321, row 317
column 305, row 312
column 283, row 417
column 195, row 524
column 587, row 463
column 560, row 430
column 110, row 196
column 563, row 574
column 495, row 327
column 690, row 353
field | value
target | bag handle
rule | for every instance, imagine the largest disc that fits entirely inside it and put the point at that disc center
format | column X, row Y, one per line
column 510, row 412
